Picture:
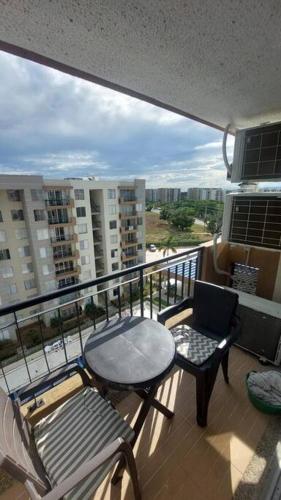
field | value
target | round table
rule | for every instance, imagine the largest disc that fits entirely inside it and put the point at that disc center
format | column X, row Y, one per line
column 132, row 353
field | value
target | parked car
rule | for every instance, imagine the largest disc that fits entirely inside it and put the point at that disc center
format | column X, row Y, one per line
column 57, row 345
column 48, row 348
column 152, row 248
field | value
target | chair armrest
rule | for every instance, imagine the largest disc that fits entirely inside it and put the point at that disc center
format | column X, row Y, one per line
column 170, row 311
column 119, row 446
column 234, row 334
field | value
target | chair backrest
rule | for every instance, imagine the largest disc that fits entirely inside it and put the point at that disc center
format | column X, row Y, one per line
column 213, row 308
column 18, row 454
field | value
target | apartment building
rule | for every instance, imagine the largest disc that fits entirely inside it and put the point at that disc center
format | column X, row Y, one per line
column 163, row 195
column 55, row 233
column 204, row 194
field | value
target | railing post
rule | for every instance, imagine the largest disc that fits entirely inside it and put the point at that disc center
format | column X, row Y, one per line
column 141, row 292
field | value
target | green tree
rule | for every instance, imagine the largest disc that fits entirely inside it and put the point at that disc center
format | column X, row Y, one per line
column 167, row 246
column 182, row 219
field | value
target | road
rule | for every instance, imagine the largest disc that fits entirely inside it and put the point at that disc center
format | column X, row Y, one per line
column 17, row 375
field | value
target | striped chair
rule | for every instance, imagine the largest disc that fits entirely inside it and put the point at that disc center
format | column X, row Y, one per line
column 68, row 453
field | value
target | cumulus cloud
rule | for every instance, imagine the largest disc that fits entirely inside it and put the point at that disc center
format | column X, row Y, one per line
column 56, row 123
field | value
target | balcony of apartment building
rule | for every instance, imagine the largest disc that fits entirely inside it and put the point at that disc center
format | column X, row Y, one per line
column 60, row 217
column 128, row 242
column 65, row 253
column 63, row 239
column 96, row 224
column 59, row 202
column 95, row 209
column 99, row 253
column 237, row 454
column 127, row 197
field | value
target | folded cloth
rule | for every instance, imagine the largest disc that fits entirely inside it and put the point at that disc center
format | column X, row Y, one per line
column 266, row 386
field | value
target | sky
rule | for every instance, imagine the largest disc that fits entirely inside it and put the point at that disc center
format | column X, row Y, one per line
column 59, row 126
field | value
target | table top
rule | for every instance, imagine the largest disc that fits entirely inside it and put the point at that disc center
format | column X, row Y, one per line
column 130, row 353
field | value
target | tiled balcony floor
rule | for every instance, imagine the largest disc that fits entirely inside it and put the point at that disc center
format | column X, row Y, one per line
column 176, row 459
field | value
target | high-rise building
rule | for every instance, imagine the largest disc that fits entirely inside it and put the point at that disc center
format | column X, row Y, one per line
column 55, row 233
column 163, row 195
column 214, row 194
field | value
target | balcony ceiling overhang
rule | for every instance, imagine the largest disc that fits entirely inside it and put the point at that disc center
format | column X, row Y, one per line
column 215, row 61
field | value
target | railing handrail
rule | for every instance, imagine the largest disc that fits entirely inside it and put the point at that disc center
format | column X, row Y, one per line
column 90, row 283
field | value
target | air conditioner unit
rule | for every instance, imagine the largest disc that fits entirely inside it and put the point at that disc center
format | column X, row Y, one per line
column 253, row 219
column 257, row 154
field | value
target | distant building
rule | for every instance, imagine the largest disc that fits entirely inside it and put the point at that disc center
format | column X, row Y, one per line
column 151, row 195
column 163, row 195
column 205, row 194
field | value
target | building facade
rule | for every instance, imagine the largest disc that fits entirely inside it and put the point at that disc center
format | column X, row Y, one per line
column 204, row 194
column 55, row 233
column 163, row 195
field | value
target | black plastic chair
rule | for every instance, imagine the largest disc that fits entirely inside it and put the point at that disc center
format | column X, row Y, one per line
column 204, row 345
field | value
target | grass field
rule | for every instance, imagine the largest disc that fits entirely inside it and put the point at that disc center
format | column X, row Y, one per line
column 158, row 230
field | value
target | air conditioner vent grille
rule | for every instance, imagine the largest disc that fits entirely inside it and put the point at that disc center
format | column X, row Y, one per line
column 262, row 153
column 256, row 221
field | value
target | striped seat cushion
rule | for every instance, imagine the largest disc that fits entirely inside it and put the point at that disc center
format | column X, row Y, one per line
column 74, row 433
column 192, row 345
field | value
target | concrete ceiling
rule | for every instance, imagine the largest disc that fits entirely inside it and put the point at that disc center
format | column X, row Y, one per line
column 218, row 61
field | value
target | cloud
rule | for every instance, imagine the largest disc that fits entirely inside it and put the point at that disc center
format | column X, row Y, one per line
column 56, row 123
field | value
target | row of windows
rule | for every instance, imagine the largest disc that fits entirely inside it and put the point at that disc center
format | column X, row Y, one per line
column 8, row 271
column 11, row 288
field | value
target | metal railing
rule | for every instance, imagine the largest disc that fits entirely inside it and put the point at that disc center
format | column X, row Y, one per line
column 50, row 337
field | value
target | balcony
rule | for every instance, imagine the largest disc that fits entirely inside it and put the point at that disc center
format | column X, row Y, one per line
column 169, row 454
column 127, row 257
column 66, row 202
column 61, row 221
column 131, row 215
column 129, row 243
column 95, row 209
column 63, row 239
column 128, row 200
column 69, row 255
column 75, row 271
column 129, row 229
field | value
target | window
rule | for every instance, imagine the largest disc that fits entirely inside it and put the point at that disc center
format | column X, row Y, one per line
column 27, row 268
column 84, row 245
column 82, row 228
column 21, row 234
column 115, row 266
column 28, row 284
column 9, row 289
column 113, row 224
column 13, row 194
column 114, row 253
column 113, row 238
column 7, row 272
column 139, row 221
column 81, row 211
column 36, row 194
column 79, row 194
column 111, row 194
column 24, row 251
column 139, row 246
column 85, row 259
column 42, row 234
column 47, row 269
column 5, row 254
column 2, row 236
column 112, row 209
column 12, row 289
column 1, row 217
column 39, row 215
column 17, row 215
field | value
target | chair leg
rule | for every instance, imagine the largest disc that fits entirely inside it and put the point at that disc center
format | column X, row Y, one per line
column 132, row 469
column 205, row 382
column 224, row 364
